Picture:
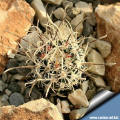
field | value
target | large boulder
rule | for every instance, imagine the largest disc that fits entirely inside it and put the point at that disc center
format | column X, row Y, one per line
column 108, row 23
column 15, row 21
column 34, row 110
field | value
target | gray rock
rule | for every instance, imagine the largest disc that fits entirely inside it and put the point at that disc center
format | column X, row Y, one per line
column 3, row 101
column 35, row 94
column 16, row 99
column 2, row 86
column 4, row 98
column 14, row 87
column 87, row 29
column 12, row 63
column 4, row 77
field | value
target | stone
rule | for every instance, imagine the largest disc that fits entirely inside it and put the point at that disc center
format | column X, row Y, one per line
column 90, row 94
column 20, row 57
column 41, row 13
column 16, row 99
column 78, row 98
column 22, row 86
column 67, row 4
column 17, row 17
column 105, row 50
column 91, row 40
column 17, row 77
column 59, row 13
column 59, row 107
column 35, row 110
column 12, row 63
column 77, row 23
column 56, row 2
column 14, row 87
column 65, row 107
column 98, row 80
column 4, row 98
column 84, row 7
column 78, row 113
column 2, row 86
column 84, row 86
column 35, row 94
column 4, row 77
column 97, row 63
column 73, row 12
column 108, row 24
column 3, row 102
column 87, row 29
column 8, row 92
column 91, row 19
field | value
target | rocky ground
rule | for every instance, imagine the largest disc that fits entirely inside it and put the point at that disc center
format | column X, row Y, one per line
column 97, row 24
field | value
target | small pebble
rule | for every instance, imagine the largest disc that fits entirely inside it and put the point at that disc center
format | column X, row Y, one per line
column 78, row 98
column 78, row 113
column 59, row 13
column 67, row 4
column 87, row 29
column 2, row 86
column 14, row 87
column 65, row 107
column 8, row 92
column 16, row 99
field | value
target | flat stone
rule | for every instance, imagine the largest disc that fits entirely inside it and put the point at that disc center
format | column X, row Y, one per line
column 78, row 98
column 35, row 110
column 105, row 50
column 16, row 99
column 77, row 23
column 59, row 13
column 13, row 14
column 78, row 113
column 97, row 60
column 108, row 24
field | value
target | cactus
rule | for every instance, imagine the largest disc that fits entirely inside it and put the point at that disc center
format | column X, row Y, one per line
column 57, row 61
